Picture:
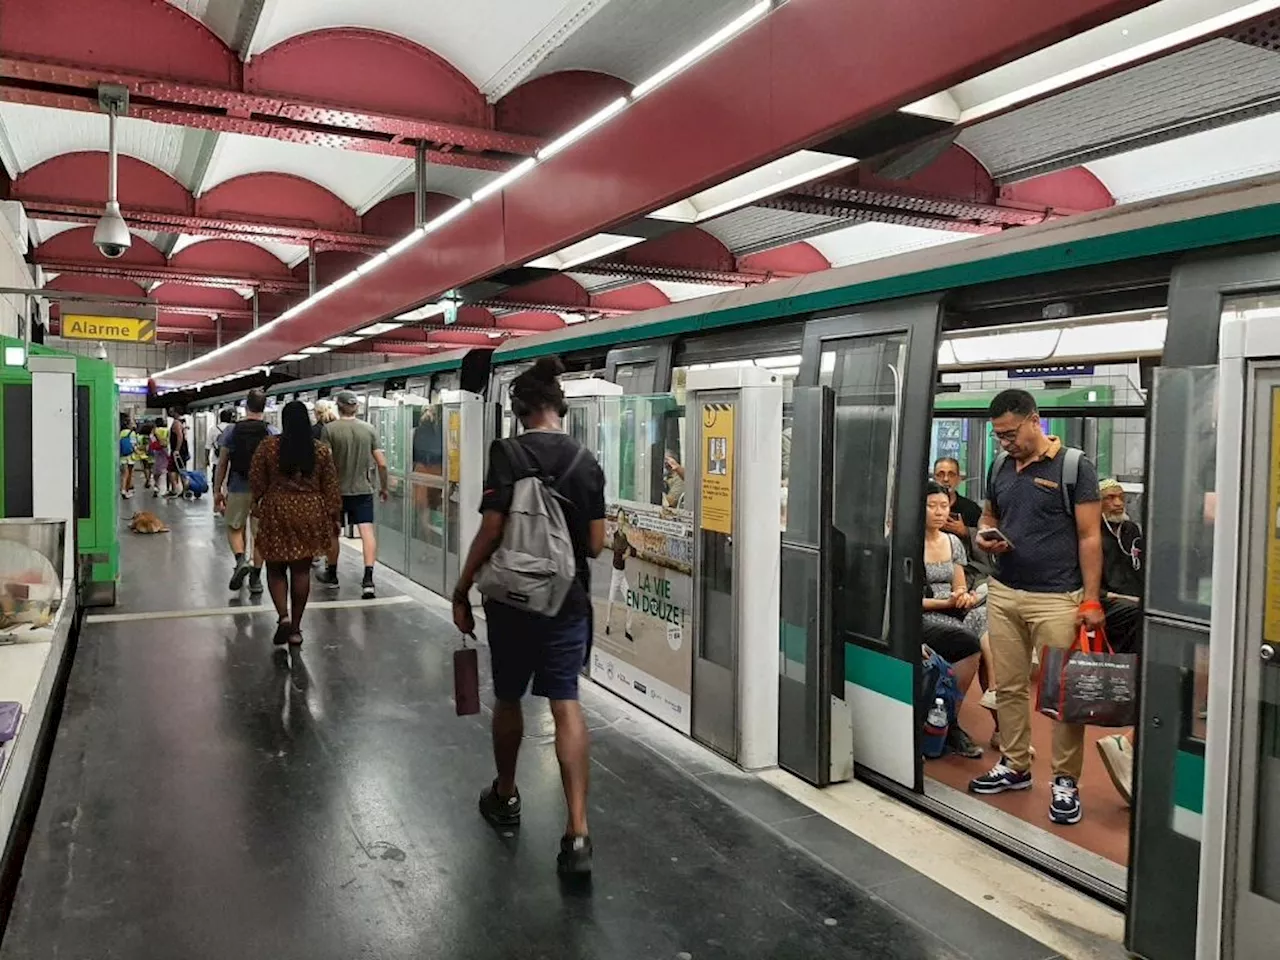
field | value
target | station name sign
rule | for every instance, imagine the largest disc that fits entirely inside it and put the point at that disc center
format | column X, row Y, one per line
column 120, row 329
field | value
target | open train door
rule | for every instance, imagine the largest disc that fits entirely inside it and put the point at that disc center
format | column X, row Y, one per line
column 861, row 416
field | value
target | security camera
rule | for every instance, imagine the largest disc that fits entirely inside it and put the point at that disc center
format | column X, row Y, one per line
column 102, row 351
column 111, row 235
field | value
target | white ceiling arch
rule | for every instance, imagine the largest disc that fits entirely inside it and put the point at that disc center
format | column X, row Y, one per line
column 37, row 134
column 478, row 37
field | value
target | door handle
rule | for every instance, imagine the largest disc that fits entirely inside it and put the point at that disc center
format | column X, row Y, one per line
column 909, row 570
column 1268, row 653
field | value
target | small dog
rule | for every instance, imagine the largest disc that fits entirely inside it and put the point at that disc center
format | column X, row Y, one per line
column 146, row 522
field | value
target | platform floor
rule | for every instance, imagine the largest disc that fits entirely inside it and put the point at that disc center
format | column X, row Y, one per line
column 210, row 799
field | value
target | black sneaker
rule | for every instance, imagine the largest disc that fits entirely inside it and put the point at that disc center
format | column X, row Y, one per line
column 1065, row 807
column 328, row 576
column 1000, row 779
column 366, row 588
column 962, row 745
column 574, row 859
column 238, row 577
column 499, row 811
column 255, row 582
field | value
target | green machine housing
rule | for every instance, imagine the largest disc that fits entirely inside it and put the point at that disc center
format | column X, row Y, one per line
column 97, row 458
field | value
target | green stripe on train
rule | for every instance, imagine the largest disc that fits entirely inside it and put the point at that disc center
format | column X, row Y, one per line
column 1188, row 781
column 1233, row 226
column 880, row 673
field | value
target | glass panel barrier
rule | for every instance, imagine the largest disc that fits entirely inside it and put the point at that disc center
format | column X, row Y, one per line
column 452, row 448
column 390, row 517
column 426, row 494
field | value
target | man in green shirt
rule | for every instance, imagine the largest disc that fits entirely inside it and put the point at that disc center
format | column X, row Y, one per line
column 355, row 449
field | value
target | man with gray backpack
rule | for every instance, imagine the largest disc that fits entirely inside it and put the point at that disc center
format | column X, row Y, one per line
column 542, row 521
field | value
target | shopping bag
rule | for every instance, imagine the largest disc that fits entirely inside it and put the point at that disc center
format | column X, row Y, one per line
column 466, row 679
column 1088, row 683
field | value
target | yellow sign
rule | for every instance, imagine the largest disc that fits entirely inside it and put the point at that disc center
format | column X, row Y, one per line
column 716, row 496
column 1271, row 624
column 454, row 442
column 124, row 329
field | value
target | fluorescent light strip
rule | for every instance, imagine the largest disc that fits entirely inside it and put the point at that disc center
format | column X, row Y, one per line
column 775, row 177
column 508, row 178
column 592, row 248
column 718, row 38
column 344, row 341
column 701, row 50
column 455, row 211
column 582, row 129
column 377, row 329
column 294, row 356
column 315, row 350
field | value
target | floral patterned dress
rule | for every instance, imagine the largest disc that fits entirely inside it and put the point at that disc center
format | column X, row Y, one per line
column 297, row 515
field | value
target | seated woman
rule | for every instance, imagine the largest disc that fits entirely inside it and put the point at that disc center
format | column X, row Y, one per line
column 954, row 618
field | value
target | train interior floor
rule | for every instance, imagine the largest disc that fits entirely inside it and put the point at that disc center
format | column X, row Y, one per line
column 1103, row 832
column 210, row 798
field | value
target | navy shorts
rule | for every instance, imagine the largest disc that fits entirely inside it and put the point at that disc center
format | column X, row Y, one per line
column 522, row 646
column 357, row 508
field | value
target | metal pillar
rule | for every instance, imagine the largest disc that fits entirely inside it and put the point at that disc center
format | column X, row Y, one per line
column 311, row 268
column 217, row 331
column 420, row 185
column 191, row 347
column 255, row 308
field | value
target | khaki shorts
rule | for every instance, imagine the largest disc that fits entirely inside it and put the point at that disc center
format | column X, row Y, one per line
column 238, row 507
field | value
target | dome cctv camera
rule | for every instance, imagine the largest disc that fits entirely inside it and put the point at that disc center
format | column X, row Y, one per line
column 111, row 235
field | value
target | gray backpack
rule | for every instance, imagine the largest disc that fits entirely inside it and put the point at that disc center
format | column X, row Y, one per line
column 534, row 567
column 1070, row 473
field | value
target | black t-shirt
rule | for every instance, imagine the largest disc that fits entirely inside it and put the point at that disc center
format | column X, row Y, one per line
column 968, row 511
column 551, row 453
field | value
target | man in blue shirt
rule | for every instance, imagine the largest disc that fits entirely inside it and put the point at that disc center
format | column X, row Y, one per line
column 1047, row 543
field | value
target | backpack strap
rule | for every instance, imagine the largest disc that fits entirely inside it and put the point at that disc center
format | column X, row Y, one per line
column 994, row 469
column 1070, row 474
column 573, row 466
column 523, row 466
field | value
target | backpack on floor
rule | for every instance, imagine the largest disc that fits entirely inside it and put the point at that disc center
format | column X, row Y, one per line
column 534, row 567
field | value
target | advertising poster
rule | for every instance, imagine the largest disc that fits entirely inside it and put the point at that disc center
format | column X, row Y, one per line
column 717, row 467
column 642, row 591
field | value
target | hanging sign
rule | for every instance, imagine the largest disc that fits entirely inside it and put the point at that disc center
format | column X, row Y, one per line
column 1271, row 607
column 716, row 499
column 121, row 329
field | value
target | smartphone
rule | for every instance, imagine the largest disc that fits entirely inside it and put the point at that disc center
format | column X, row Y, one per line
column 992, row 534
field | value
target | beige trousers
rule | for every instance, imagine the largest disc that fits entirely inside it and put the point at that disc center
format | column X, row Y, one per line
column 1019, row 622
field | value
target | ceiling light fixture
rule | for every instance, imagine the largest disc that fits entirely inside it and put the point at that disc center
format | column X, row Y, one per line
column 294, row 356
column 373, row 264
column 584, row 251
column 377, row 329
column 721, row 36
column 400, row 246
column 508, row 178
column 764, row 181
column 342, row 341
column 315, row 350
column 455, row 211
column 582, row 129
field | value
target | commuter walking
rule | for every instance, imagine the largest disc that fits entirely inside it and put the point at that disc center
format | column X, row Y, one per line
column 294, row 487
column 549, row 650
column 226, row 420
column 1042, row 522
column 179, row 455
column 129, row 443
column 235, row 456
column 355, row 449
column 159, row 449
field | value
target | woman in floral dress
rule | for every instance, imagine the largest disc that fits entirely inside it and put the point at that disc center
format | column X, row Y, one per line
column 297, row 502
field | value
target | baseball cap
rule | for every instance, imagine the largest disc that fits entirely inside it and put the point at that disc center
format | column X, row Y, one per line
column 346, row 398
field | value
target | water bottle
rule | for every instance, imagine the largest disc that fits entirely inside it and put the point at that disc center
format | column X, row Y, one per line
column 935, row 730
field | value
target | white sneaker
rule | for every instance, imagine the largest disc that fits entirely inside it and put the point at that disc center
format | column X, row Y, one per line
column 989, row 699
column 1117, row 757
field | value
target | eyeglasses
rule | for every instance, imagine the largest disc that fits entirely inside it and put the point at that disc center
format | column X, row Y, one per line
column 1007, row 436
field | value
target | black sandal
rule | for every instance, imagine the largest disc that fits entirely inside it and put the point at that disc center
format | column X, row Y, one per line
column 282, row 633
column 295, row 638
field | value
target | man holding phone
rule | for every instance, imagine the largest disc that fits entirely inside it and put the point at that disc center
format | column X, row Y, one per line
column 1042, row 523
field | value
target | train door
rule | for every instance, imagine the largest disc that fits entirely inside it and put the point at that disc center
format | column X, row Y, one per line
column 879, row 367
column 1240, row 889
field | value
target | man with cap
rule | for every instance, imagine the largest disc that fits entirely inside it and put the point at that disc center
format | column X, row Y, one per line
column 355, row 449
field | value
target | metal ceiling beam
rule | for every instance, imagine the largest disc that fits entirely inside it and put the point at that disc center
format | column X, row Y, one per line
column 640, row 272
column 300, row 234
column 783, row 84
column 166, row 274
column 35, row 82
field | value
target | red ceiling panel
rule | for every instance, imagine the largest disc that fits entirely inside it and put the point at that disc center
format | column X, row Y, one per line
column 808, row 70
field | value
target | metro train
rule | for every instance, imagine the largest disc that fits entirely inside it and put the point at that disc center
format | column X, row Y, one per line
column 1111, row 319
